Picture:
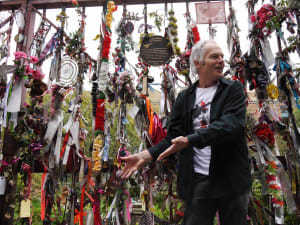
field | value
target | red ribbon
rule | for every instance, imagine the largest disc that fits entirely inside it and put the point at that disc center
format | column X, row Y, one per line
column 43, row 197
column 64, row 144
column 96, row 210
column 82, row 213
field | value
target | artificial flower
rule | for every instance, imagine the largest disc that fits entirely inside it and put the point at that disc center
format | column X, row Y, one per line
column 272, row 164
column 264, row 133
column 261, row 24
column 36, row 74
column 274, row 186
column 253, row 18
column 277, row 202
column 270, row 178
column 28, row 70
column 265, row 17
column 33, row 59
column 20, row 55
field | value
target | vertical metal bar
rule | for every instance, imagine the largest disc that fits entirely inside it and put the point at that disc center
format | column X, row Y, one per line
column 278, row 35
column 145, row 17
column 29, row 28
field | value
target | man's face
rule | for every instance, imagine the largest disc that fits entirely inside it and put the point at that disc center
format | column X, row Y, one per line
column 213, row 63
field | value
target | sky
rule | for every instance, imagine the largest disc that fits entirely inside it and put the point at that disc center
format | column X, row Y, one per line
column 93, row 21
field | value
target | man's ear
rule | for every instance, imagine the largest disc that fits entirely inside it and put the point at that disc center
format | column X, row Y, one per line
column 197, row 64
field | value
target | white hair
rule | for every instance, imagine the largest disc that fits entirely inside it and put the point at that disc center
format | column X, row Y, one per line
column 197, row 54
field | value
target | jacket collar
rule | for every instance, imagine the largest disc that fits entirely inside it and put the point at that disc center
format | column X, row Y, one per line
column 192, row 88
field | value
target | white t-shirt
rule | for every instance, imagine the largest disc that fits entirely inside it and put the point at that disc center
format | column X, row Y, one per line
column 202, row 156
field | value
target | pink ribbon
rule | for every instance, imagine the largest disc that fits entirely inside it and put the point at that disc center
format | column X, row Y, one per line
column 45, row 51
column 128, row 205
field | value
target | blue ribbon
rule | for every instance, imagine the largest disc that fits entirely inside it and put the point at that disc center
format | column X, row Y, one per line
column 292, row 81
column 283, row 66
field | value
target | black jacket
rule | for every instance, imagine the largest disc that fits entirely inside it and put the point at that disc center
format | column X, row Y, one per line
column 229, row 171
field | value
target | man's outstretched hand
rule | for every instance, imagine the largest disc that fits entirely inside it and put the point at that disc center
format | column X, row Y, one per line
column 134, row 162
column 178, row 144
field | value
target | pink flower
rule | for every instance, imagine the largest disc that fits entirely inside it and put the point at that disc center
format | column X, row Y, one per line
column 36, row 74
column 260, row 13
column 253, row 18
column 20, row 55
column 28, row 70
column 270, row 14
column 33, row 59
column 263, row 18
column 261, row 25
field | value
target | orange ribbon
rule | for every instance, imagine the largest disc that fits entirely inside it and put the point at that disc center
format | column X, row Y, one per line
column 149, row 112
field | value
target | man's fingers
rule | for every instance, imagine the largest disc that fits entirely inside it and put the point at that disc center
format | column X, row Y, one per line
column 125, row 158
column 166, row 153
column 126, row 173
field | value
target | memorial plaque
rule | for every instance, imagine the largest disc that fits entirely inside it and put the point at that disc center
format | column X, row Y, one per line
column 154, row 50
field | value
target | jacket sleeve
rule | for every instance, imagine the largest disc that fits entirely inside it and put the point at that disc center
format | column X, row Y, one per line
column 228, row 126
column 175, row 129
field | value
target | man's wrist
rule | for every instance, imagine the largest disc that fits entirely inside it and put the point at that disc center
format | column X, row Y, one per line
column 146, row 156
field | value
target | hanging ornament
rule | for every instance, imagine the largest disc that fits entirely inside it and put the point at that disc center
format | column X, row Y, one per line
column 265, row 21
column 111, row 7
column 236, row 60
column 256, row 71
column 68, row 72
column 126, row 90
column 273, row 92
column 172, row 32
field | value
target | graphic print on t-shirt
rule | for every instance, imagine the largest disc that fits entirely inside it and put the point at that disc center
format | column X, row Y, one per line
column 204, row 115
column 201, row 120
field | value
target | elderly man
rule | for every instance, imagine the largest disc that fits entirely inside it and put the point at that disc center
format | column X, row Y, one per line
column 207, row 129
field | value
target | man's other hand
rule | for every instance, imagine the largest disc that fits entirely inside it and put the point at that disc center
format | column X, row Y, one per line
column 178, row 144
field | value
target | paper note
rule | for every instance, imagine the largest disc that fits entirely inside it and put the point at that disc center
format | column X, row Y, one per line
column 133, row 111
column 25, row 208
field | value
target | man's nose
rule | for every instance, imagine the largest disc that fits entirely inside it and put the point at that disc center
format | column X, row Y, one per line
column 220, row 59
